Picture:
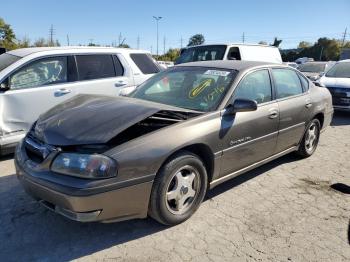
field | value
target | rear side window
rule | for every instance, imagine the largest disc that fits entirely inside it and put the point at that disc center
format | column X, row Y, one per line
column 95, row 66
column 304, row 82
column 7, row 60
column 119, row 69
column 42, row 72
column 145, row 63
column 234, row 54
column 287, row 83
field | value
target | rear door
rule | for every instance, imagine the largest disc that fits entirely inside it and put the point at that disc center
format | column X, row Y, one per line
column 34, row 88
column 101, row 74
column 294, row 104
column 249, row 137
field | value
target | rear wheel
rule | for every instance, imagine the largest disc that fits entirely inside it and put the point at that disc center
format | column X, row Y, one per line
column 310, row 140
column 178, row 189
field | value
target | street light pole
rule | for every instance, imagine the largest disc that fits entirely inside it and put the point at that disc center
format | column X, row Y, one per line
column 157, row 18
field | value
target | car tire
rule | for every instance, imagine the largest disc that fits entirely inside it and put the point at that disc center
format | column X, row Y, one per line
column 310, row 139
column 178, row 189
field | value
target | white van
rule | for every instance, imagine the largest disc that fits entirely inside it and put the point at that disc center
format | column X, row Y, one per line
column 247, row 52
column 32, row 80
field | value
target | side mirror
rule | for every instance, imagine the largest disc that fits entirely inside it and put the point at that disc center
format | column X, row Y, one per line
column 4, row 86
column 241, row 105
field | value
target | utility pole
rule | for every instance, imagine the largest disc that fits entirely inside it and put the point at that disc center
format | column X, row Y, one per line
column 344, row 36
column 164, row 45
column 138, row 42
column 157, row 18
column 151, row 50
column 243, row 37
column 91, row 41
column 181, row 42
column 51, row 33
column 120, row 39
column 67, row 40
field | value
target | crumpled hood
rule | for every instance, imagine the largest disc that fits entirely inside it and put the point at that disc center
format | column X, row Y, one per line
column 88, row 119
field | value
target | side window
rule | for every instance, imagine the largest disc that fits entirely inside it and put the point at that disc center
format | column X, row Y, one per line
column 95, row 66
column 255, row 86
column 145, row 63
column 234, row 54
column 287, row 83
column 304, row 82
column 119, row 69
column 45, row 71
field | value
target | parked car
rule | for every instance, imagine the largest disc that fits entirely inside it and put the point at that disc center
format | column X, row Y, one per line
column 189, row 128
column 303, row 60
column 314, row 70
column 337, row 80
column 246, row 52
column 33, row 80
column 291, row 64
column 165, row 64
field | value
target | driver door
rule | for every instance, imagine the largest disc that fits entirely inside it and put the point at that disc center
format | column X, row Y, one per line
column 249, row 137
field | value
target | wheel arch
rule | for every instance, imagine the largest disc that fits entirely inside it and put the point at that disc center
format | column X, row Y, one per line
column 320, row 117
column 203, row 152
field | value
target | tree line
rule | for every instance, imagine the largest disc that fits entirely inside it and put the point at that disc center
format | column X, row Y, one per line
column 324, row 49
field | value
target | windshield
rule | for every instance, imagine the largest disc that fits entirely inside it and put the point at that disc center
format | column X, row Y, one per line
column 7, row 60
column 340, row 70
column 195, row 88
column 202, row 53
column 312, row 68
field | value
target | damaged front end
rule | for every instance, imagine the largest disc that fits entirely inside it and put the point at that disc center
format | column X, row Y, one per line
column 78, row 147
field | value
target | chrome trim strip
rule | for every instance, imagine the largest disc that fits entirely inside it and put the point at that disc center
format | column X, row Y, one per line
column 250, row 141
column 290, row 127
column 252, row 166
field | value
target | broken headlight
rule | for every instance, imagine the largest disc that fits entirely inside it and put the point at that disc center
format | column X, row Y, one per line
column 93, row 166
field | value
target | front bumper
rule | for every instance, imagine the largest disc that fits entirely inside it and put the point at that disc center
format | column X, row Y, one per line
column 114, row 201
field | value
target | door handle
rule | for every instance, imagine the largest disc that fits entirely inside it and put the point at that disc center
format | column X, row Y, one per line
column 273, row 113
column 121, row 83
column 62, row 91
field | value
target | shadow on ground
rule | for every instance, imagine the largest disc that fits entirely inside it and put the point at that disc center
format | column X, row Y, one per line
column 30, row 232
column 341, row 118
column 6, row 157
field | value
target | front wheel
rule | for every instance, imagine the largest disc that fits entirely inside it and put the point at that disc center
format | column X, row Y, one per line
column 310, row 140
column 178, row 189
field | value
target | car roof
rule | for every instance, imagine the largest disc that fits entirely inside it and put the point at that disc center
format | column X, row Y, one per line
column 230, row 64
column 231, row 44
column 22, row 52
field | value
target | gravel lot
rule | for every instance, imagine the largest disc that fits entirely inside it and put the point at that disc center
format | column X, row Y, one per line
column 283, row 211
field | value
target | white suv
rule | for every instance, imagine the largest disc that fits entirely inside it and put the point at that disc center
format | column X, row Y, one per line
column 32, row 80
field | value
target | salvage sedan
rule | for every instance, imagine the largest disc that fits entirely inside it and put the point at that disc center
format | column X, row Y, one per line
column 156, row 152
